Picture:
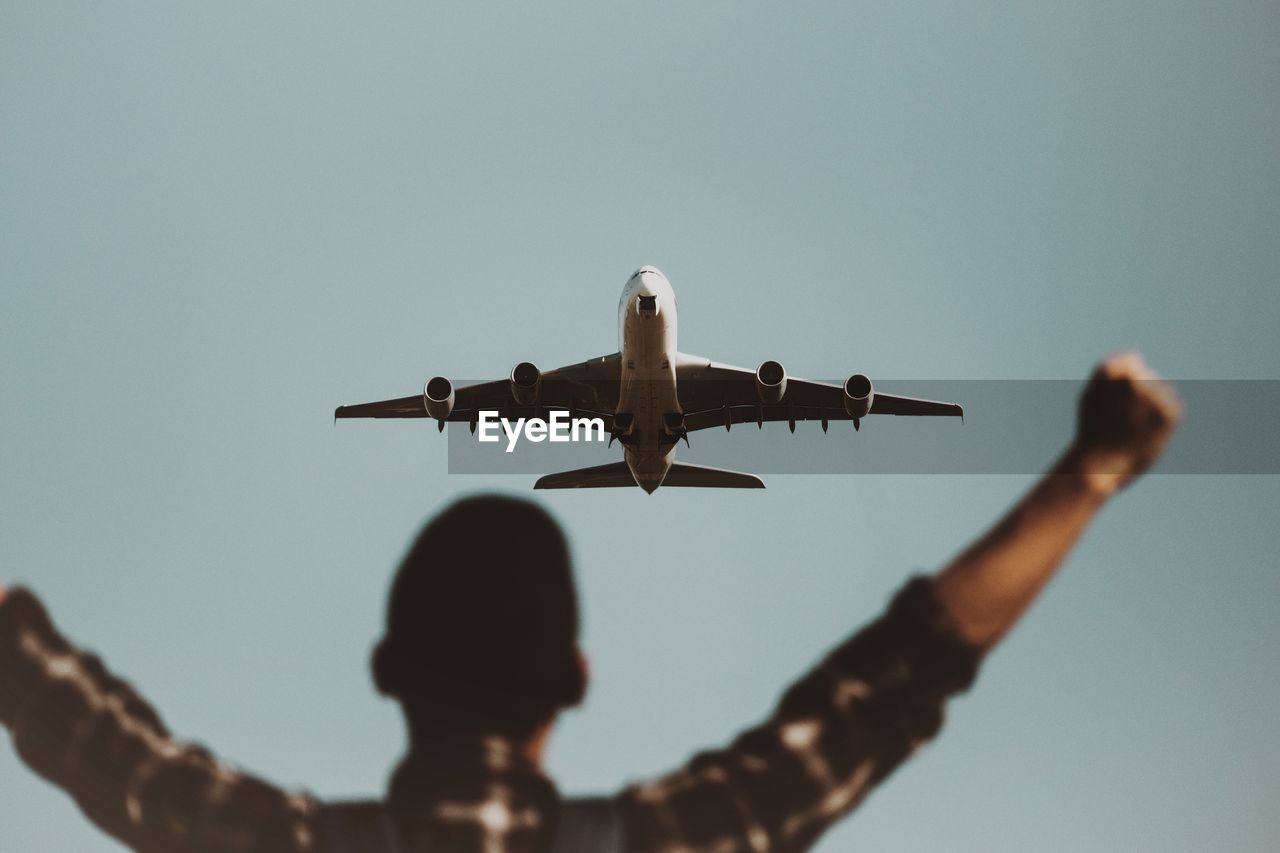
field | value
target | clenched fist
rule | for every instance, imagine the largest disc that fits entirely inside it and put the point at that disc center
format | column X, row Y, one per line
column 1126, row 415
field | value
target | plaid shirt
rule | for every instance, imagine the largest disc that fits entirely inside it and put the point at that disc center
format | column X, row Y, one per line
column 837, row 732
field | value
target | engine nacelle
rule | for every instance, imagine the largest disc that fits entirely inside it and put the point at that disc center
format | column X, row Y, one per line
column 525, row 379
column 771, row 382
column 437, row 397
column 858, row 394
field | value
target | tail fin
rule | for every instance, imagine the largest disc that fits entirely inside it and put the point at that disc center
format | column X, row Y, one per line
column 701, row 476
column 599, row 477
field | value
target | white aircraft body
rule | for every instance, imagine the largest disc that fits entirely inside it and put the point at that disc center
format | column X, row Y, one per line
column 650, row 396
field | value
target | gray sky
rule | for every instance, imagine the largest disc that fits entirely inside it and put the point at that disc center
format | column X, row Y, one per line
column 220, row 221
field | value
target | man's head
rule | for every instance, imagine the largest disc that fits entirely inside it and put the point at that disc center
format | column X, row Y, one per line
column 482, row 625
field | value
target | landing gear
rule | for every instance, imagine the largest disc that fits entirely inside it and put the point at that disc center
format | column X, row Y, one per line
column 673, row 425
column 623, row 424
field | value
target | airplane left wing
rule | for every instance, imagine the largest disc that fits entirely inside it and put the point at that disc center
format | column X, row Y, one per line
column 713, row 394
column 401, row 407
column 589, row 389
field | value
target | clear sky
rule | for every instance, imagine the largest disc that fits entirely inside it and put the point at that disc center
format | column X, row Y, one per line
column 220, row 220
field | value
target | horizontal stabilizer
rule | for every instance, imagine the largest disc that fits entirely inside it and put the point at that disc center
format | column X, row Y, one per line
column 600, row 477
column 702, row 476
column 680, row 474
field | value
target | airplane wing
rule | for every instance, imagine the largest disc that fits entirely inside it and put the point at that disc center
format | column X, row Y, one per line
column 713, row 394
column 589, row 389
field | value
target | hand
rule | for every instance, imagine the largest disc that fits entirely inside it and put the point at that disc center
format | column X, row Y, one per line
column 1126, row 415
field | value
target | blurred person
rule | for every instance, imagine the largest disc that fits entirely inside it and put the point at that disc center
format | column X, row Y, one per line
column 483, row 660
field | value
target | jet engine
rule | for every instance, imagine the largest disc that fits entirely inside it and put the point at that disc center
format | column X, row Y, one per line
column 437, row 397
column 858, row 394
column 525, row 379
column 771, row 382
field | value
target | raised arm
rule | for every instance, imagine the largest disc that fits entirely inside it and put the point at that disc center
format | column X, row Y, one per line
column 875, row 699
column 1126, row 415
column 90, row 734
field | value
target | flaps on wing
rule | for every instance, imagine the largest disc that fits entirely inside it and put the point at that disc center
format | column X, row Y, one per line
column 761, row 413
column 404, row 408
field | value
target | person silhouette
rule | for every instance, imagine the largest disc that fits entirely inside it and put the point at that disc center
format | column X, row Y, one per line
column 483, row 659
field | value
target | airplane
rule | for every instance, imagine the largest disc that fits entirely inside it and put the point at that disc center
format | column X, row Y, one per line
column 650, row 396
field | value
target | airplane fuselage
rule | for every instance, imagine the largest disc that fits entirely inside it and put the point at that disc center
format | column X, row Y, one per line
column 647, row 393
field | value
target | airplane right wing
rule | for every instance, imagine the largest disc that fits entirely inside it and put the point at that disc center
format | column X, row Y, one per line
column 714, row 394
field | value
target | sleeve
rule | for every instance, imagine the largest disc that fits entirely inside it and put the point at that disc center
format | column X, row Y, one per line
column 837, row 732
column 92, row 735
